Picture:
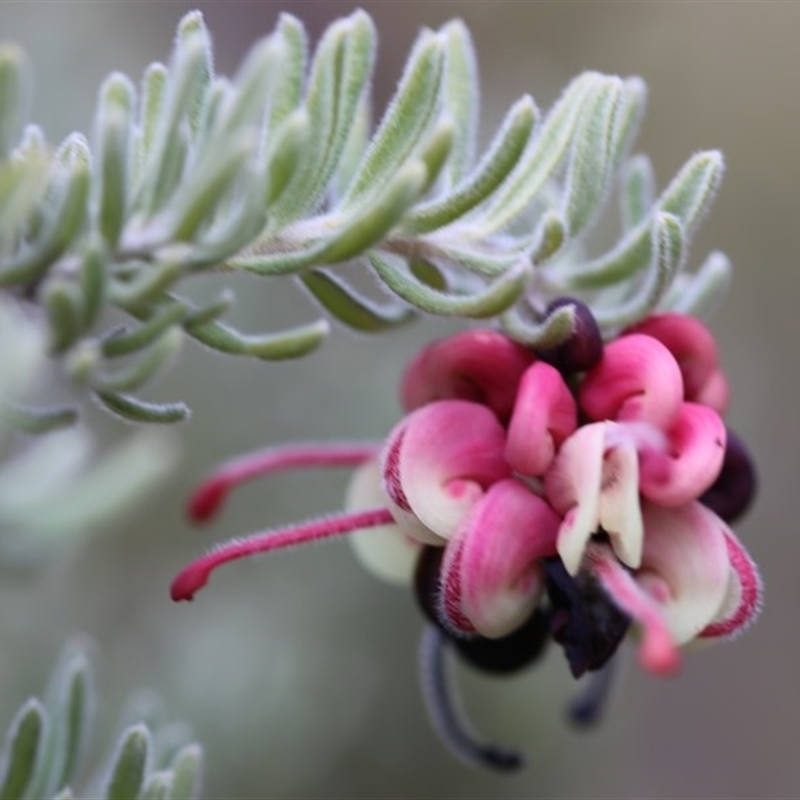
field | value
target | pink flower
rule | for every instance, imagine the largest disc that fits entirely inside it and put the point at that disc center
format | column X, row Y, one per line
column 530, row 501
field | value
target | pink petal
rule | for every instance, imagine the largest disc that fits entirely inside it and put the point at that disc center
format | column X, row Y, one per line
column 544, row 415
column 448, row 454
column 494, row 555
column 636, row 380
column 594, row 483
column 685, row 565
column 484, row 366
column 694, row 348
column 696, row 450
column 744, row 597
column 383, row 550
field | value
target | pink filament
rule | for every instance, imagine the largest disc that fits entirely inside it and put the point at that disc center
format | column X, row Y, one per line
column 658, row 652
column 209, row 496
column 193, row 577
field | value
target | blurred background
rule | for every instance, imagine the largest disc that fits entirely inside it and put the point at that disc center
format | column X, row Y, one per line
column 298, row 672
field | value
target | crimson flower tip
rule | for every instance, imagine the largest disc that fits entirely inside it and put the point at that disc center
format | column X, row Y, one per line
column 207, row 500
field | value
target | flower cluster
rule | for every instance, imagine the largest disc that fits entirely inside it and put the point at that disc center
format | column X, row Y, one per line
column 572, row 495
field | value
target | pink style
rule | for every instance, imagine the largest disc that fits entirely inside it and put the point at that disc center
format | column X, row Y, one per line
column 577, row 504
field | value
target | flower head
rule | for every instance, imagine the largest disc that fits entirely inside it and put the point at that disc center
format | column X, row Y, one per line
column 573, row 497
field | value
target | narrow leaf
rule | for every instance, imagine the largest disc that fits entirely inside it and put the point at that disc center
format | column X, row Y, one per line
column 187, row 773
column 291, row 343
column 126, row 343
column 501, row 157
column 542, row 157
column 460, row 98
column 404, row 122
column 92, row 282
column 638, row 191
column 62, row 305
column 350, row 307
column 38, row 420
column 698, row 294
column 136, row 410
column 669, row 251
column 158, row 787
column 287, row 91
column 21, row 749
column 372, row 223
column 154, row 359
column 692, row 190
column 588, row 179
column 15, row 92
column 491, row 301
column 549, row 333
column 129, row 764
column 112, row 144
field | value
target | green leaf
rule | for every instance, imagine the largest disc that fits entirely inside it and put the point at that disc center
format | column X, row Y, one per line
column 62, row 304
column 351, row 308
column 291, row 343
column 215, row 309
column 63, row 216
column 15, row 92
column 38, row 420
column 591, row 159
column 486, row 303
column 147, row 283
column 92, row 282
column 136, row 410
column 21, row 750
column 541, row 158
column 371, row 224
column 638, row 191
column 287, row 90
column 554, row 330
column 669, row 250
column 550, row 236
column 692, row 190
column 697, row 294
column 629, row 118
column 501, row 157
column 404, row 122
column 435, row 151
column 69, row 700
column 126, row 343
column 158, row 787
column 113, row 127
column 309, row 180
column 129, row 764
column 290, row 144
column 154, row 86
column 152, row 360
column 460, row 98
column 187, row 772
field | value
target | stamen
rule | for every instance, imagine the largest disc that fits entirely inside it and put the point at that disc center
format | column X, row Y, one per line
column 587, row 708
column 445, row 713
column 209, row 496
column 657, row 651
column 193, row 577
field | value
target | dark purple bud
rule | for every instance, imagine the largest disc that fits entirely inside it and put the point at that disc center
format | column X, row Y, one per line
column 735, row 487
column 584, row 349
column 584, row 620
column 426, row 584
column 510, row 653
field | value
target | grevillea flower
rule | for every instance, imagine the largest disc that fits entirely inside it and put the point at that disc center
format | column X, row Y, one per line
column 574, row 495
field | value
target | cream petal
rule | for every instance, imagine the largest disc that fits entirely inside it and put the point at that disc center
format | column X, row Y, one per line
column 594, row 482
column 384, row 550
column 686, row 556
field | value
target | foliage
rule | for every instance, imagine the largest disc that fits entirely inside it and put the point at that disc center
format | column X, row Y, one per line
column 47, row 739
